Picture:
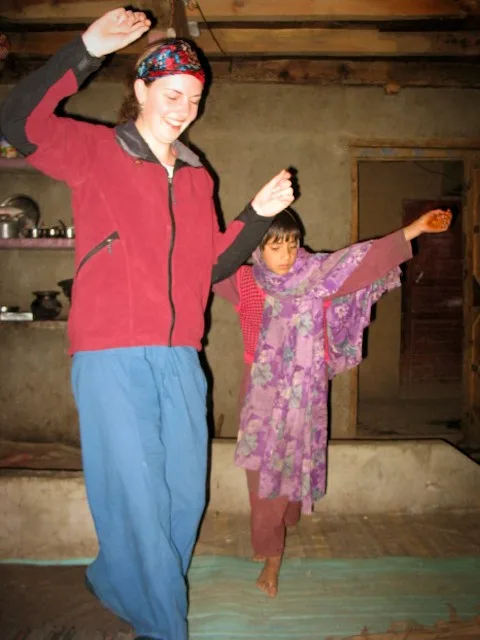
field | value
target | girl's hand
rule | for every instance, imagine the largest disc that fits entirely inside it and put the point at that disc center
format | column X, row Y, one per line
column 114, row 30
column 435, row 221
column 275, row 196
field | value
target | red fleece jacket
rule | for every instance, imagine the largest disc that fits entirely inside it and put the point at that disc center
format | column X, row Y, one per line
column 145, row 245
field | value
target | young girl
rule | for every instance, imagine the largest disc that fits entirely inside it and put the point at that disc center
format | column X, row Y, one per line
column 146, row 252
column 302, row 317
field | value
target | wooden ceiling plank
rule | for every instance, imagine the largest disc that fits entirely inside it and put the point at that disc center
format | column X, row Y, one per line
column 338, row 42
column 74, row 11
column 288, row 42
column 65, row 11
column 322, row 10
column 71, row 11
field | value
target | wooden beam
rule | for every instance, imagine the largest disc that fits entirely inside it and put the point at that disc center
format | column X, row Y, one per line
column 287, row 42
column 381, row 73
column 171, row 20
column 247, row 10
column 322, row 10
column 160, row 9
column 179, row 19
column 77, row 11
column 471, row 7
column 338, row 42
column 65, row 11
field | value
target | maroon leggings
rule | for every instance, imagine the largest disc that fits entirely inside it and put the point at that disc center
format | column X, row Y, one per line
column 269, row 519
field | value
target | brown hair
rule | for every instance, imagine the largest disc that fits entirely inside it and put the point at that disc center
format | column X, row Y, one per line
column 130, row 108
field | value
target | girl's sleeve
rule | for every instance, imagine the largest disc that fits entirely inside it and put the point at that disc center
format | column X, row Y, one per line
column 384, row 255
column 229, row 290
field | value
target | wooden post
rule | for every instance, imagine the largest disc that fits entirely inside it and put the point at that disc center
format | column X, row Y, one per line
column 171, row 19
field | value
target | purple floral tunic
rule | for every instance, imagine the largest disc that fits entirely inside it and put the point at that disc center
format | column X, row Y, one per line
column 307, row 336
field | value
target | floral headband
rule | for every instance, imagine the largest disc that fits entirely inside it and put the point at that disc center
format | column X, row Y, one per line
column 175, row 56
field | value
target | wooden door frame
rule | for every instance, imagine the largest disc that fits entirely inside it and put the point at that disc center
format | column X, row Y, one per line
column 381, row 150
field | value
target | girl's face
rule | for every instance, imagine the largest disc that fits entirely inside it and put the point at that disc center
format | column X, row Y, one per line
column 168, row 106
column 280, row 254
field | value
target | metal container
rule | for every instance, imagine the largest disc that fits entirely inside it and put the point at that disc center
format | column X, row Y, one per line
column 33, row 232
column 9, row 226
column 27, row 207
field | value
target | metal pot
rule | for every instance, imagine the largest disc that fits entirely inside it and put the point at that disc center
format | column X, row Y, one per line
column 33, row 232
column 54, row 232
column 9, row 226
column 45, row 306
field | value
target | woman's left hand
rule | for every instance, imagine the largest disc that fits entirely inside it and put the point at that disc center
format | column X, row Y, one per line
column 275, row 196
column 435, row 221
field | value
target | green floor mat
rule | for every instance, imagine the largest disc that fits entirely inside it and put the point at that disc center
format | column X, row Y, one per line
column 320, row 599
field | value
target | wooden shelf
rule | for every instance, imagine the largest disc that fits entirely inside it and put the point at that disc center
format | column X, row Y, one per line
column 37, row 243
column 15, row 163
column 36, row 324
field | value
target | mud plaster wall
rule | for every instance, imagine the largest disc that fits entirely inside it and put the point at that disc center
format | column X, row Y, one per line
column 248, row 133
column 383, row 187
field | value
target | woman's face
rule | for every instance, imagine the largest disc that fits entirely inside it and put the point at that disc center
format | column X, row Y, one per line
column 168, row 105
column 280, row 254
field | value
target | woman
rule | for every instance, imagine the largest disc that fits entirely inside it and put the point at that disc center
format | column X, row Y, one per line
column 147, row 251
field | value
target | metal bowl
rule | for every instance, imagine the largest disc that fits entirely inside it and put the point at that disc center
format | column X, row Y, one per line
column 28, row 207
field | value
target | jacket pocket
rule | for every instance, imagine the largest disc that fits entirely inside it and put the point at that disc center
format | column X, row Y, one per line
column 104, row 244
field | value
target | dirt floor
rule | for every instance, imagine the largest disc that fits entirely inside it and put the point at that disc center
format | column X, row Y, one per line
column 51, row 603
column 55, row 601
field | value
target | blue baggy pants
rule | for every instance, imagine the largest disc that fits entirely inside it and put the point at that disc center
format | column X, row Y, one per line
column 144, row 445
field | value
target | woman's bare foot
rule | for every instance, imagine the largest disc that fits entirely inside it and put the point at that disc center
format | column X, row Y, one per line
column 268, row 579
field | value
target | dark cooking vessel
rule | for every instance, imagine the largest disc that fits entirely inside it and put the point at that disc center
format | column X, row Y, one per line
column 45, row 306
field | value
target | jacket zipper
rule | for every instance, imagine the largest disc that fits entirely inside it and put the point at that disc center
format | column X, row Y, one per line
column 171, row 202
column 105, row 243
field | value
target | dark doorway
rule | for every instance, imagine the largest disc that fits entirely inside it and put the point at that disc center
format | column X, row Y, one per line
column 432, row 308
column 410, row 384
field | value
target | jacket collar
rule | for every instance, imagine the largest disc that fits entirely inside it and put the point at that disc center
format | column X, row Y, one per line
column 129, row 138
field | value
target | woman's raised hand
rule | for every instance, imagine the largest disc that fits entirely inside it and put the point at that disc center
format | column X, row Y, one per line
column 115, row 30
column 275, row 196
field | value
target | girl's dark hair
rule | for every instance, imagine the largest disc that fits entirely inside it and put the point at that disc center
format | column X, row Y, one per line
column 285, row 225
column 130, row 108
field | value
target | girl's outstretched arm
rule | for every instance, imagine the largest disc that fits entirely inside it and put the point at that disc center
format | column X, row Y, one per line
column 390, row 251
column 435, row 221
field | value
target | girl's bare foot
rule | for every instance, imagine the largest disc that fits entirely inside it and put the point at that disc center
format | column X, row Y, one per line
column 258, row 558
column 268, row 579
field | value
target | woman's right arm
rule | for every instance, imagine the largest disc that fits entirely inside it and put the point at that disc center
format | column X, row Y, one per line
column 59, row 146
